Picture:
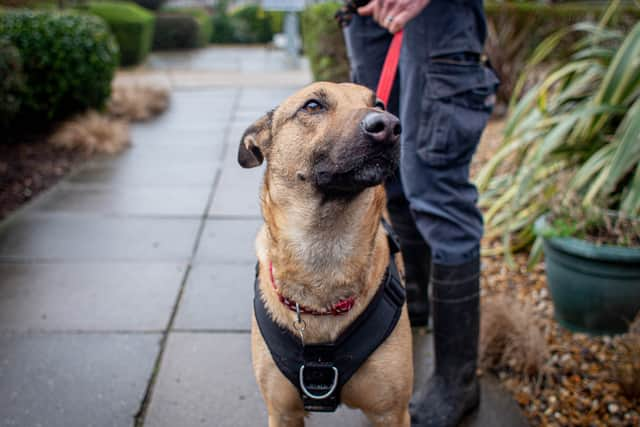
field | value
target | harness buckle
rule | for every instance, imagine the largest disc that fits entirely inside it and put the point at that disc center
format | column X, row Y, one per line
column 319, row 386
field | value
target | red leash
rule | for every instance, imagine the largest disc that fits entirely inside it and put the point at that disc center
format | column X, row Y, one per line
column 390, row 68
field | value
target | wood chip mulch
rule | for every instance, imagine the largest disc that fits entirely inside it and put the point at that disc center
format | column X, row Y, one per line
column 579, row 383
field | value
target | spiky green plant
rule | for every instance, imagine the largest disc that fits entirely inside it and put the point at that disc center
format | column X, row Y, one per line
column 577, row 132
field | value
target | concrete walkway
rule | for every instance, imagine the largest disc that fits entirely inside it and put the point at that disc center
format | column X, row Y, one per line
column 125, row 292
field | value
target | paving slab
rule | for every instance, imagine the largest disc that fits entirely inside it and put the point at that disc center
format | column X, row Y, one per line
column 228, row 242
column 241, row 59
column 151, row 139
column 261, row 100
column 150, row 201
column 497, row 407
column 246, row 118
column 90, row 237
column 155, row 174
column 63, row 380
column 207, row 379
column 160, row 145
column 88, row 296
column 194, row 80
column 217, row 297
column 197, row 110
column 423, row 356
column 237, row 192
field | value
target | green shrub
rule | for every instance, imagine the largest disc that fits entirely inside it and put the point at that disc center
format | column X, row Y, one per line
column 324, row 43
column 132, row 26
column 222, row 29
column 175, row 31
column 247, row 24
column 251, row 24
column 151, row 4
column 276, row 21
column 203, row 19
column 68, row 61
column 11, row 82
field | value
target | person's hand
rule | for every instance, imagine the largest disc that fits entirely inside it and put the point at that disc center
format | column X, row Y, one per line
column 393, row 14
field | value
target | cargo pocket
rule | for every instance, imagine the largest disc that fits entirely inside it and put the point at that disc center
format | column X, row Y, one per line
column 457, row 101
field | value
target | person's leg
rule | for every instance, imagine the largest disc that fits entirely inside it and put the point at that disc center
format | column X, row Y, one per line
column 446, row 99
column 367, row 45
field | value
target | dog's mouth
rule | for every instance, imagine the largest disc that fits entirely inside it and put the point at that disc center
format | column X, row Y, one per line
column 360, row 167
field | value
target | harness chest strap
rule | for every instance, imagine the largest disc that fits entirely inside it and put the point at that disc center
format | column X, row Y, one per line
column 319, row 371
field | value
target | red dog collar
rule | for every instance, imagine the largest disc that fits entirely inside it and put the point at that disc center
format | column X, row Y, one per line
column 341, row 307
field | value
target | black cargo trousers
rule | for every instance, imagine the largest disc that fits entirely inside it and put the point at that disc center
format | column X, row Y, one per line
column 443, row 95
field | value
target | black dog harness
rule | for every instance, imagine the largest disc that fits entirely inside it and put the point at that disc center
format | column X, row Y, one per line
column 319, row 371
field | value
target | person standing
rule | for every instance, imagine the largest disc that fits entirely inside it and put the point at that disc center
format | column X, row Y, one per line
column 444, row 95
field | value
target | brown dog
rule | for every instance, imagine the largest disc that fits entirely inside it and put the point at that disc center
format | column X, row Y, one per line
column 328, row 149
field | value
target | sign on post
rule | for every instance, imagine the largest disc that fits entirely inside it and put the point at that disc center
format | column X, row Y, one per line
column 283, row 5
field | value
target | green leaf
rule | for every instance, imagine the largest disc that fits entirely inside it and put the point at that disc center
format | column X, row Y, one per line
column 627, row 154
column 631, row 202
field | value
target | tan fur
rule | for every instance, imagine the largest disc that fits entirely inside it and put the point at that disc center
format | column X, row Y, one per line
column 323, row 251
column 92, row 132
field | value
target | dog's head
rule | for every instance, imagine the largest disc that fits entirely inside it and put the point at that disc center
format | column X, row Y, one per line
column 331, row 139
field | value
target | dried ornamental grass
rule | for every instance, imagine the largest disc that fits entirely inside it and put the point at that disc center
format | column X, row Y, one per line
column 510, row 339
column 136, row 102
column 626, row 370
column 92, row 132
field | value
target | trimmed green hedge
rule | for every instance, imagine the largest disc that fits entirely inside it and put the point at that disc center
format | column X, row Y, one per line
column 11, row 82
column 175, row 31
column 323, row 43
column 203, row 19
column 68, row 60
column 131, row 24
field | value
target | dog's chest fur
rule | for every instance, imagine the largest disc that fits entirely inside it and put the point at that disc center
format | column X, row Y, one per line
column 322, row 256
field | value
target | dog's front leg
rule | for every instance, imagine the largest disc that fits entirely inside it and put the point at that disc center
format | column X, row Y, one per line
column 285, row 420
column 399, row 418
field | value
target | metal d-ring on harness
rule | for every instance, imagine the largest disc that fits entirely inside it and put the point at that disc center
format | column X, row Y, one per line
column 319, row 371
column 300, row 325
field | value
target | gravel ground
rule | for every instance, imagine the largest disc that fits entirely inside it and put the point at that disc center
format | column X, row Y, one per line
column 576, row 386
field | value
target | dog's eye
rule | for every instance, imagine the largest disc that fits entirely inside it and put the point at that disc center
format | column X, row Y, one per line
column 380, row 105
column 313, row 106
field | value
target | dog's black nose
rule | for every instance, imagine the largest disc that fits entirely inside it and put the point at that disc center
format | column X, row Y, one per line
column 382, row 127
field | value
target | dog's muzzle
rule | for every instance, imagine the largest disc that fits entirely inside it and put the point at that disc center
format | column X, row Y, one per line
column 364, row 160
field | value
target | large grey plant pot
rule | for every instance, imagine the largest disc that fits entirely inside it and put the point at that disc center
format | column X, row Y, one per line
column 595, row 288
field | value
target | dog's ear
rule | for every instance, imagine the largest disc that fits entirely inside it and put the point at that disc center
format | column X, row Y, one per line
column 254, row 141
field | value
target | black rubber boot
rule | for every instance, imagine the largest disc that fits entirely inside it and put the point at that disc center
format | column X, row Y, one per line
column 416, row 256
column 453, row 390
